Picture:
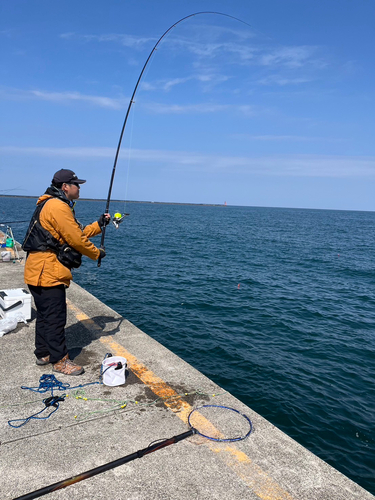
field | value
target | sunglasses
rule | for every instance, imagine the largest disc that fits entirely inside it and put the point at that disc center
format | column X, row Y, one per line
column 75, row 184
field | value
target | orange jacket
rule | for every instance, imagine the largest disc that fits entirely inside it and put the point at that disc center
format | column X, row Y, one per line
column 43, row 268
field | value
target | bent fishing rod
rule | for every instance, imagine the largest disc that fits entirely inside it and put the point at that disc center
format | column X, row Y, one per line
column 132, row 101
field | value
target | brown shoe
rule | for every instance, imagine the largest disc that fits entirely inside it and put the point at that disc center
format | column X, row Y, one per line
column 43, row 361
column 67, row 367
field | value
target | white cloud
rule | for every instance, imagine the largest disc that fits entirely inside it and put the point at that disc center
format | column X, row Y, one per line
column 241, row 52
column 148, row 86
column 282, row 81
column 167, row 85
column 159, row 108
column 322, row 166
column 245, row 109
column 283, row 138
column 208, row 79
column 56, row 152
column 211, row 43
column 201, row 108
column 292, row 57
column 104, row 102
column 125, row 40
column 65, row 97
column 212, row 50
column 205, row 31
column 121, row 102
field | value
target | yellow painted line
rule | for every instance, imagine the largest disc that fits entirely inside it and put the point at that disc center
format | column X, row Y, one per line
column 82, row 317
column 173, row 400
column 250, row 473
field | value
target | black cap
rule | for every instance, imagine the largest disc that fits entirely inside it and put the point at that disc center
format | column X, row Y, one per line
column 67, row 176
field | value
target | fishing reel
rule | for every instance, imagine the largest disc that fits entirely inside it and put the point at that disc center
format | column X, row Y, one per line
column 118, row 218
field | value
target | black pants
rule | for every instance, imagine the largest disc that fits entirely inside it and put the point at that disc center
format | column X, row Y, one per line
column 50, row 302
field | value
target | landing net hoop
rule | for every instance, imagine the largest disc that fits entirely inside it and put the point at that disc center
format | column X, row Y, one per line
column 244, row 431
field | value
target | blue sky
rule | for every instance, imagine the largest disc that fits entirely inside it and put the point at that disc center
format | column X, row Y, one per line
column 280, row 113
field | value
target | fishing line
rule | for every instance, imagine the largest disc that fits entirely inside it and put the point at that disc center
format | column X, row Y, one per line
column 118, row 404
column 13, row 189
column 14, row 222
column 203, row 425
column 129, row 160
column 132, row 101
column 130, row 149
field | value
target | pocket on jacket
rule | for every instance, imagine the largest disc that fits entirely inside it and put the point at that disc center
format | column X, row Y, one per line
column 63, row 274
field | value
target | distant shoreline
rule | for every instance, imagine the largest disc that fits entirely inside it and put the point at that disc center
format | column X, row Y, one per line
column 127, row 201
column 201, row 204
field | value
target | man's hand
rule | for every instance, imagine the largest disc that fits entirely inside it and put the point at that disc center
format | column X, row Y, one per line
column 102, row 253
column 104, row 220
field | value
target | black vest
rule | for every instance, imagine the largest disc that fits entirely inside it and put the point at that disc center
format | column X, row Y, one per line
column 38, row 239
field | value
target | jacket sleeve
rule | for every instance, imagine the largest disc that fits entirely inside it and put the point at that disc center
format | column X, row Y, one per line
column 92, row 230
column 58, row 219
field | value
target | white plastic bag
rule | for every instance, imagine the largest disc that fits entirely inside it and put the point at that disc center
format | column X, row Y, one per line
column 5, row 256
column 9, row 324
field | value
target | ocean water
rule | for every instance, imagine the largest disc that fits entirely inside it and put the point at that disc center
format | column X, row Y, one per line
column 275, row 305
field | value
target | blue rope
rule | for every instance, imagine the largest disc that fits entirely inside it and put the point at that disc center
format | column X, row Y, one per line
column 50, row 382
column 47, row 383
column 52, row 401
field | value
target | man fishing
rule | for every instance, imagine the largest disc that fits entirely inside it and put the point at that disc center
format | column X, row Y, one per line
column 55, row 243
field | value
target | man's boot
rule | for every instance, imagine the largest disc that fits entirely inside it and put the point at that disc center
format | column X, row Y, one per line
column 42, row 361
column 67, row 367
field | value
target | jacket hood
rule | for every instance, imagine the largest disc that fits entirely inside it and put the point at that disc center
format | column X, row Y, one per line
column 53, row 192
column 43, row 198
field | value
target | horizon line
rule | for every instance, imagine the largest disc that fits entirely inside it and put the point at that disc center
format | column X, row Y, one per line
column 198, row 204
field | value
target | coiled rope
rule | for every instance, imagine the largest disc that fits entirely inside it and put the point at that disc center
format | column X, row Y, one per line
column 47, row 383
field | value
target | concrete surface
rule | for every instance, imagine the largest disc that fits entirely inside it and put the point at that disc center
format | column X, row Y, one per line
column 268, row 465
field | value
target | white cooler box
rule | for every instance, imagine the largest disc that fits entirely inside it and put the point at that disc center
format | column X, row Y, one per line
column 14, row 302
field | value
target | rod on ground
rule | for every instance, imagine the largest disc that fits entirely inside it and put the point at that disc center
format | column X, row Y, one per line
column 105, row 467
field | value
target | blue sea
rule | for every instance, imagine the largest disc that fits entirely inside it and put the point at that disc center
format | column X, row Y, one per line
column 275, row 305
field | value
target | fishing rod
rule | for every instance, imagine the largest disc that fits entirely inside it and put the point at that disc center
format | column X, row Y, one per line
column 102, row 468
column 243, row 429
column 132, row 101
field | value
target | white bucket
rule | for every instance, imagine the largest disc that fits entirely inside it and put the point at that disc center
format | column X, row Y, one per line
column 111, row 375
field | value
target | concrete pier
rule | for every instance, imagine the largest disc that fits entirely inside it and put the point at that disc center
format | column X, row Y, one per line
column 90, row 429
